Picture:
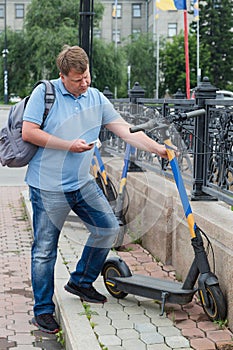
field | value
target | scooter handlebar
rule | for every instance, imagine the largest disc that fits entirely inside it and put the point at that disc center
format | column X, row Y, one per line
column 192, row 114
column 151, row 124
column 154, row 124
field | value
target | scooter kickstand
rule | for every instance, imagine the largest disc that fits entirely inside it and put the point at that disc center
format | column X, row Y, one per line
column 163, row 299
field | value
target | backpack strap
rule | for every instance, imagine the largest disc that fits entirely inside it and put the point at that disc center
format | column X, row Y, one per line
column 49, row 97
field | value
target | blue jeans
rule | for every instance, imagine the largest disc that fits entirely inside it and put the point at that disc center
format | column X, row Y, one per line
column 50, row 210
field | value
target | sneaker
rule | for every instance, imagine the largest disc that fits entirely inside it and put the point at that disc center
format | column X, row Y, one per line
column 46, row 323
column 88, row 294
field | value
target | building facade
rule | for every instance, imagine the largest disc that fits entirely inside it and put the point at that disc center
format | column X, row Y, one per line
column 124, row 18
column 15, row 12
column 128, row 17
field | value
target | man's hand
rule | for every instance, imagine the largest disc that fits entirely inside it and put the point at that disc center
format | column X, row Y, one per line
column 79, row 146
column 160, row 150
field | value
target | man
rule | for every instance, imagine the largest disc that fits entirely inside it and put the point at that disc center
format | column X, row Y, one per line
column 59, row 180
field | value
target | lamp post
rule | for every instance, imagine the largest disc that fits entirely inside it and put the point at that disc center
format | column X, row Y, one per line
column 86, row 27
column 4, row 55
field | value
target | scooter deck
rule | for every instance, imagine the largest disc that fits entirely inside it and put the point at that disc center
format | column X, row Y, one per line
column 154, row 288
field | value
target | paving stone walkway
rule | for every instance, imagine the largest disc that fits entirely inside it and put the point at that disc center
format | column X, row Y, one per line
column 189, row 319
column 130, row 323
column 16, row 298
column 135, row 322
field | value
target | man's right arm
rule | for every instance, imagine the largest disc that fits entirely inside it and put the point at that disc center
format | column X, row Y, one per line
column 32, row 133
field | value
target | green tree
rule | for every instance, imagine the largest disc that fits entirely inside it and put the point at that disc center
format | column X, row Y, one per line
column 32, row 52
column 216, row 23
column 17, row 59
column 49, row 26
column 172, row 63
column 140, row 55
column 109, row 68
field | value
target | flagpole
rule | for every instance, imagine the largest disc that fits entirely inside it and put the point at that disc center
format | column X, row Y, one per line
column 157, row 63
column 186, row 55
column 115, row 92
column 198, row 55
column 196, row 18
column 115, row 5
column 156, row 29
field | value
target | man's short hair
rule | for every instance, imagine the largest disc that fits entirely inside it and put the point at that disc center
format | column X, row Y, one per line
column 72, row 57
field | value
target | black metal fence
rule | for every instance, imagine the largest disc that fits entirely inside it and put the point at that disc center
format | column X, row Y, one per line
column 205, row 143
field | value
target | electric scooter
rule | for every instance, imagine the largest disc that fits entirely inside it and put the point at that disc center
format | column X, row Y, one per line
column 118, row 279
column 118, row 201
column 102, row 179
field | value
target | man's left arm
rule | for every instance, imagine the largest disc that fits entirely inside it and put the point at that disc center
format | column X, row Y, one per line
column 139, row 140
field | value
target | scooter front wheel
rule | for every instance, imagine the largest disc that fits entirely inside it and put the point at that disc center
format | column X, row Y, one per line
column 120, row 237
column 217, row 309
column 115, row 267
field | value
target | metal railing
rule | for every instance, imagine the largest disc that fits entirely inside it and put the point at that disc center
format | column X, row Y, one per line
column 218, row 175
column 205, row 144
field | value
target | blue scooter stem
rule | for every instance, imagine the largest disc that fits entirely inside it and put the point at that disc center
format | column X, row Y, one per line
column 125, row 168
column 101, row 165
column 122, row 187
column 181, row 188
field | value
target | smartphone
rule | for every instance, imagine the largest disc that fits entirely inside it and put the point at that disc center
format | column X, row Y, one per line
column 93, row 142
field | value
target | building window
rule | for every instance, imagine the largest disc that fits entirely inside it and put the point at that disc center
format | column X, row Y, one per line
column 136, row 10
column 19, row 11
column 136, row 33
column 172, row 29
column 2, row 12
column 116, row 36
column 117, row 10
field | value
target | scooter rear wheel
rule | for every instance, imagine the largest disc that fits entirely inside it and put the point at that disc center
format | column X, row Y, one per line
column 113, row 269
column 217, row 309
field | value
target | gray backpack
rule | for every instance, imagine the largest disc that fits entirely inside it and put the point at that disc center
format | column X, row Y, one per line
column 14, row 152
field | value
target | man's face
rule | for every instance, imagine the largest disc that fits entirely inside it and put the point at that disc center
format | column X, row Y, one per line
column 76, row 83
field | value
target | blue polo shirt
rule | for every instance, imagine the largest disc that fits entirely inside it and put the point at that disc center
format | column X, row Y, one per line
column 70, row 118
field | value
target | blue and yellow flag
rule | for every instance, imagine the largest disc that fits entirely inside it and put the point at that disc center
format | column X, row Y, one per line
column 166, row 5
column 196, row 10
column 114, row 9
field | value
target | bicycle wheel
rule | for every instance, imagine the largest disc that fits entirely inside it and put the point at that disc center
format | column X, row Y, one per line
column 217, row 309
column 115, row 268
